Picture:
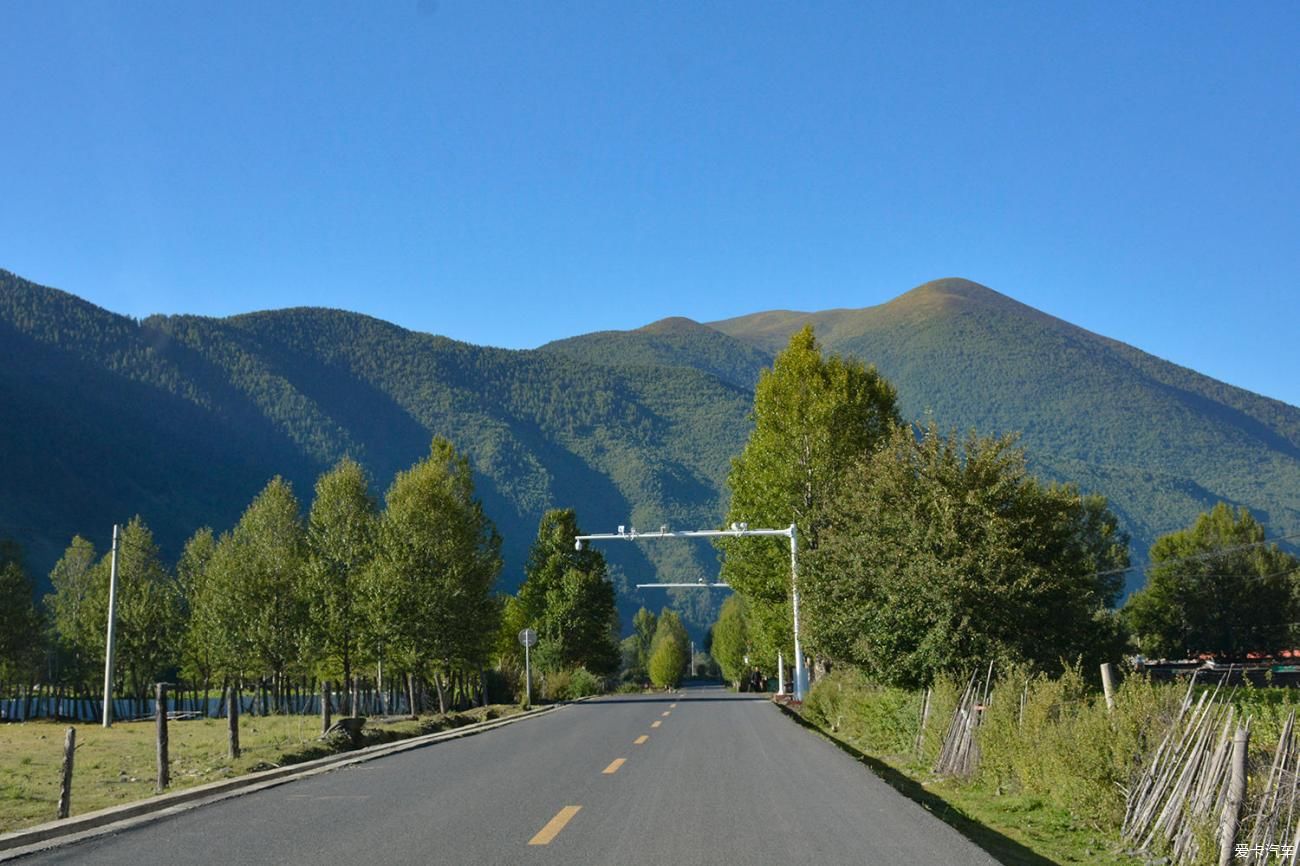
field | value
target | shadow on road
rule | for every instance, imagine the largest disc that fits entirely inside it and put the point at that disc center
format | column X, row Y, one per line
column 1002, row 848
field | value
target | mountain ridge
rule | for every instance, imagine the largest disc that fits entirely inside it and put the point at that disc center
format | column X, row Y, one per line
column 634, row 426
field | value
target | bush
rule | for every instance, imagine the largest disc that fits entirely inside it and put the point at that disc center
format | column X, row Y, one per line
column 1065, row 746
column 571, row 685
column 584, row 683
column 880, row 718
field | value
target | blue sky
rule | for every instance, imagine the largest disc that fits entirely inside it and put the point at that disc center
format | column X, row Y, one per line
column 509, row 174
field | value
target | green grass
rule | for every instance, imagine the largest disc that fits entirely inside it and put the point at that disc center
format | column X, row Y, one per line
column 116, row 765
column 1015, row 829
column 1046, row 790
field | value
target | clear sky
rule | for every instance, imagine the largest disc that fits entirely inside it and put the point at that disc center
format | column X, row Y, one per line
column 513, row 173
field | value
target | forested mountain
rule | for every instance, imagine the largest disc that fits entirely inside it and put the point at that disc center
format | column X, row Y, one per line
column 1163, row 442
column 673, row 342
column 183, row 419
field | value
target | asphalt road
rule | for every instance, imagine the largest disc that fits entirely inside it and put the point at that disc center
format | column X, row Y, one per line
column 706, row 777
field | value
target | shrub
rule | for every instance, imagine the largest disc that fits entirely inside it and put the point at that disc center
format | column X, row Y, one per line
column 584, row 683
column 882, row 719
column 573, row 684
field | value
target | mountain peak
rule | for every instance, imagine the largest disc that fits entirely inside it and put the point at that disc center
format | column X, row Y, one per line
column 953, row 288
column 674, row 325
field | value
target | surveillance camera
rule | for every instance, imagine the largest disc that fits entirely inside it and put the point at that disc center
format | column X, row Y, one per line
column 577, row 545
column 621, row 527
column 735, row 527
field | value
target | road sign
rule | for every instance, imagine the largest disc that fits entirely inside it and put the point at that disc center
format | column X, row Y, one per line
column 528, row 637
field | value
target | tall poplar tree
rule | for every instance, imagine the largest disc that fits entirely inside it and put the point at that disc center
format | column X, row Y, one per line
column 569, row 599
column 149, row 614
column 255, row 595
column 199, row 643
column 429, row 594
column 341, row 531
column 730, row 639
column 78, row 608
column 813, row 417
column 669, row 650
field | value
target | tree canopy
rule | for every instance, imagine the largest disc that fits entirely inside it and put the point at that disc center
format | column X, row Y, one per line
column 568, row 597
column 939, row 554
column 429, row 595
column 1216, row 587
column 729, row 642
column 669, row 651
column 813, row 417
column 341, row 530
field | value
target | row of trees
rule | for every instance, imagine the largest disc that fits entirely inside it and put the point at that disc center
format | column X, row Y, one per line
column 923, row 552
column 407, row 589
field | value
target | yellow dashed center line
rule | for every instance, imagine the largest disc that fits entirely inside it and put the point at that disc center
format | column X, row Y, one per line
column 614, row 765
column 655, row 724
column 641, row 740
column 554, row 826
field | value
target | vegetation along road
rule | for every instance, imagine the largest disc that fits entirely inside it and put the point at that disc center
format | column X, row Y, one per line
column 699, row 776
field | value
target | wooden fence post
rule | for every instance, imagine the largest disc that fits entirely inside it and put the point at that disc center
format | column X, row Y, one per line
column 65, row 789
column 232, row 720
column 160, row 713
column 1108, row 685
column 325, row 707
column 1236, row 796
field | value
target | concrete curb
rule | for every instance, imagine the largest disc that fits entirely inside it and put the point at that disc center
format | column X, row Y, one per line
column 55, row 834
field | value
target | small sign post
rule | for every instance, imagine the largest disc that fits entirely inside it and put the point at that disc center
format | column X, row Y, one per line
column 528, row 638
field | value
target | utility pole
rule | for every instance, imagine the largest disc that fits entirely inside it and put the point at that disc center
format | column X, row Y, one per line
column 108, row 648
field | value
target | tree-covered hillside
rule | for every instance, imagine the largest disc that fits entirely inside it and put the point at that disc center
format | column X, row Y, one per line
column 672, row 342
column 182, row 419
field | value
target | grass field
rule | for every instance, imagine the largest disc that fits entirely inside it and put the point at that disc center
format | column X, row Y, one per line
column 116, row 765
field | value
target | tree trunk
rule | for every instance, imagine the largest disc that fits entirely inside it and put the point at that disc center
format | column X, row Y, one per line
column 410, row 693
column 232, row 721
column 442, row 694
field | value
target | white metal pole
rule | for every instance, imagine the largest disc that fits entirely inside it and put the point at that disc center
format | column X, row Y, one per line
column 528, row 678
column 780, row 672
column 108, row 647
column 800, row 670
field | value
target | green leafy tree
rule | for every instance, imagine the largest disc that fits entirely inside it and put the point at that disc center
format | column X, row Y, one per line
column 199, row 644
column 150, row 618
column 509, row 652
column 255, row 600
column 729, row 639
column 20, row 624
column 567, row 594
column 341, row 531
column 669, row 651
column 429, row 595
column 78, row 608
column 1216, row 588
column 637, row 651
column 813, row 417
column 940, row 554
